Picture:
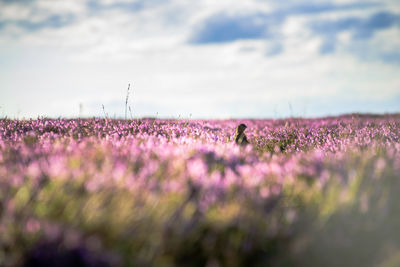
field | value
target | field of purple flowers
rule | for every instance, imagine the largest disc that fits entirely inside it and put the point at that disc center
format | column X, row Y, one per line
column 101, row 192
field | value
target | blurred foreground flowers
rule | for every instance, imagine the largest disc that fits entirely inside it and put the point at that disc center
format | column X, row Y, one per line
column 95, row 192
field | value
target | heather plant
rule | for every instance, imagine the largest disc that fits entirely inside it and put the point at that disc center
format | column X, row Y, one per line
column 152, row 192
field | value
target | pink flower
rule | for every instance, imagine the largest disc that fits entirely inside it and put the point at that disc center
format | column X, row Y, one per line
column 32, row 225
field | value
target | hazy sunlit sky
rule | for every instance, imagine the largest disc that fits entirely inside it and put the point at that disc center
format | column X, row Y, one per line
column 208, row 58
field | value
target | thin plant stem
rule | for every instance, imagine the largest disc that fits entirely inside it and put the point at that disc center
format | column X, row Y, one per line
column 126, row 100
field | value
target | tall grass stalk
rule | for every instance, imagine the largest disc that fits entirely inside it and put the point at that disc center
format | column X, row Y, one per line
column 104, row 111
column 126, row 100
column 130, row 111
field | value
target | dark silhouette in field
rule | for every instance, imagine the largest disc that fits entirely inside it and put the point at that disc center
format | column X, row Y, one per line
column 240, row 137
column 53, row 254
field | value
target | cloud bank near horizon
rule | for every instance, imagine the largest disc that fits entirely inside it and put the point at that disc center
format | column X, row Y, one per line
column 227, row 59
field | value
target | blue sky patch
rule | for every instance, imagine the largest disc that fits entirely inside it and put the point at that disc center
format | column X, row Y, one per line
column 54, row 21
column 223, row 28
column 327, row 47
column 275, row 50
column 360, row 28
column 95, row 6
column 391, row 57
column 308, row 8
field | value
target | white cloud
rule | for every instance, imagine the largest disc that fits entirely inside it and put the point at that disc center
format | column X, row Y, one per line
column 387, row 40
column 58, row 7
column 92, row 59
column 14, row 11
column 109, row 2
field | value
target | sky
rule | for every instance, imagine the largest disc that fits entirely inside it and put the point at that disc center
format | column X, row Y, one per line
column 198, row 59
